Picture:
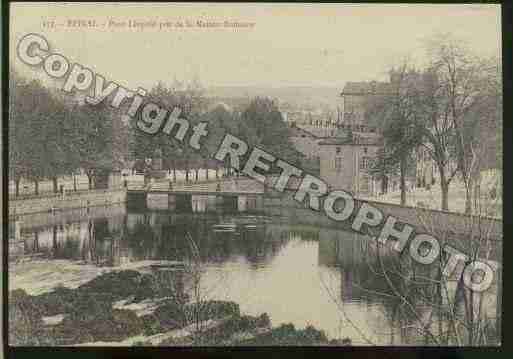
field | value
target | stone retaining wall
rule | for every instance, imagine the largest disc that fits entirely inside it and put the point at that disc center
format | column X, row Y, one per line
column 70, row 200
column 431, row 221
column 33, row 221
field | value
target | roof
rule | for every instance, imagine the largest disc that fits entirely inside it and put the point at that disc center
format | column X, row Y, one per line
column 367, row 87
column 362, row 141
column 318, row 132
column 296, row 131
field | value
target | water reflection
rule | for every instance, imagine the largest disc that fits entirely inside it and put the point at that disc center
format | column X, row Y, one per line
column 296, row 273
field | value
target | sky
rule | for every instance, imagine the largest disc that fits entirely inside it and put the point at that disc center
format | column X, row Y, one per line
column 288, row 45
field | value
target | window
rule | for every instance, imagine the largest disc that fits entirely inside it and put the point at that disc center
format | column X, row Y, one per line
column 365, row 150
column 337, row 150
column 365, row 163
column 364, row 184
column 338, row 164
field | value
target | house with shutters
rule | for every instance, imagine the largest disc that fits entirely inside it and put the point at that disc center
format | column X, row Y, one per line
column 345, row 159
column 345, row 163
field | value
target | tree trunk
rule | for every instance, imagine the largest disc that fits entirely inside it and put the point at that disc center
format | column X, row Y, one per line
column 17, row 183
column 468, row 196
column 403, row 181
column 186, row 175
column 206, row 174
column 196, row 170
column 54, row 239
column 74, row 182
column 444, row 190
column 477, row 192
column 217, row 172
column 89, row 181
column 55, row 185
column 36, row 242
column 384, row 184
column 174, row 174
column 36, row 187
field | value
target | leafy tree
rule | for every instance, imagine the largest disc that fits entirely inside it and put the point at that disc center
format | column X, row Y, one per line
column 383, row 167
column 191, row 102
column 18, row 129
column 262, row 124
column 95, row 141
column 396, row 115
column 221, row 121
column 38, row 146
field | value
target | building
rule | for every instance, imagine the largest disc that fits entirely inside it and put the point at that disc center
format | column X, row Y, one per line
column 320, row 123
column 355, row 99
column 345, row 161
column 345, row 158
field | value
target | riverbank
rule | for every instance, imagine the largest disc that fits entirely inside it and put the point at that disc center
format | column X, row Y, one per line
column 138, row 307
column 430, row 197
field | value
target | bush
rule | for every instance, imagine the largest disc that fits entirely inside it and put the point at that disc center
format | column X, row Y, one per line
column 213, row 309
column 120, row 285
column 25, row 319
column 287, row 334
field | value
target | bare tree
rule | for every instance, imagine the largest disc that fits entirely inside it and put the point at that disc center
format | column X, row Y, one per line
column 461, row 92
column 197, row 311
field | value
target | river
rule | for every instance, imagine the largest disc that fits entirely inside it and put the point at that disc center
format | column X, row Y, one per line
column 296, row 273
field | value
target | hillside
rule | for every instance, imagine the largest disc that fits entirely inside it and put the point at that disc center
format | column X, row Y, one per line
column 297, row 96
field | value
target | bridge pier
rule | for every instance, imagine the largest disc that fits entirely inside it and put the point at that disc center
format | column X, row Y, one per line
column 242, row 203
column 157, row 201
column 171, row 202
column 199, row 203
column 200, row 199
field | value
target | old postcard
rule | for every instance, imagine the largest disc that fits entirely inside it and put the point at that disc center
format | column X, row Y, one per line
column 228, row 174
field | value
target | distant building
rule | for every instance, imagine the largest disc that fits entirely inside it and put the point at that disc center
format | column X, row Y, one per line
column 344, row 159
column 355, row 99
column 348, row 142
column 320, row 123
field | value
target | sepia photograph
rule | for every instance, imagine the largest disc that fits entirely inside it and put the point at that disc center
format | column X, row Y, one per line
column 253, row 175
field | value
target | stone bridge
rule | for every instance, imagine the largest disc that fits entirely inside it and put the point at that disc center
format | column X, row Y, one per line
column 235, row 193
column 242, row 188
